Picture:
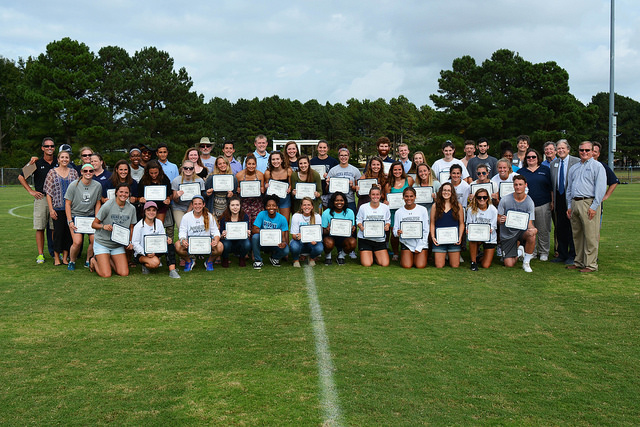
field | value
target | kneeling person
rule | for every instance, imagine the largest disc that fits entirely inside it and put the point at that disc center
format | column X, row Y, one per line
column 150, row 225
column 270, row 219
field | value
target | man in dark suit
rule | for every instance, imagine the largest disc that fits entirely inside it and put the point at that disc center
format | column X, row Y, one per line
column 559, row 174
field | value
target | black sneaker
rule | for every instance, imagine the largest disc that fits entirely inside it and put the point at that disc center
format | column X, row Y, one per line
column 274, row 262
column 257, row 265
column 340, row 261
column 474, row 266
column 327, row 261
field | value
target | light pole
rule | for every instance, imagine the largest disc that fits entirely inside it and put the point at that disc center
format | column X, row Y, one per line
column 612, row 111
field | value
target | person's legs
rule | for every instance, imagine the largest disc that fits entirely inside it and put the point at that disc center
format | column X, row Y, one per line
column 406, row 258
column 255, row 246
column 151, row 262
column 454, row 259
column 366, row 258
column 121, row 264
column 577, row 222
column 543, row 224
column 487, row 257
column 440, row 259
column 101, row 264
column 75, row 247
column 382, row 258
column 296, row 249
column 420, row 259
column 315, row 250
column 591, row 229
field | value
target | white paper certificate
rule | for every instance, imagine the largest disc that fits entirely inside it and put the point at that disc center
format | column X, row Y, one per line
column 396, row 201
column 386, row 167
column 199, row 245
column 236, row 230
column 270, row 237
column 424, row 194
column 155, row 193
column 111, row 193
column 305, row 189
column 486, row 185
column 83, row 224
column 250, row 189
column 506, row 188
column 340, row 227
column 321, row 169
column 443, row 176
column 517, row 220
column 223, row 183
column 365, row 185
column 155, row 244
column 341, row 185
column 373, row 229
column 447, row 235
column 411, row 229
column 478, row 232
column 190, row 189
column 311, row 233
column 278, row 188
column 120, row 234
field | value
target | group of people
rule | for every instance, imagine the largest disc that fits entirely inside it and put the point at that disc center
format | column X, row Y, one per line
column 287, row 205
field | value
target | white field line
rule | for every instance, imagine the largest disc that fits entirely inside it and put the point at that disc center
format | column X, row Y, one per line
column 329, row 395
column 20, row 216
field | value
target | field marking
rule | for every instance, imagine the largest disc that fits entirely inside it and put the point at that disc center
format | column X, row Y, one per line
column 329, row 395
column 20, row 216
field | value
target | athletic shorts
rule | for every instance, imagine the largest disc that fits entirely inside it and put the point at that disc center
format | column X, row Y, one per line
column 370, row 245
column 99, row 249
column 40, row 214
column 510, row 246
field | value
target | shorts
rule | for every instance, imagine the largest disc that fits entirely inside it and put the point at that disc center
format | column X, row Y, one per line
column 404, row 248
column 99, row 249
column 41, row 214
column 449, row 247
column 371, row 245
column 510, row 246
column 285, row 202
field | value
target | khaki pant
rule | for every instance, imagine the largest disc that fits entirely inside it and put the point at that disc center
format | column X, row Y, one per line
column 586, row 233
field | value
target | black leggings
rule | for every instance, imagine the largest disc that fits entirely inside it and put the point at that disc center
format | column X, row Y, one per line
column 61, row 235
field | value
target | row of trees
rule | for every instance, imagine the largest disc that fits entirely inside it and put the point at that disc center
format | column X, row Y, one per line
column 111, row 100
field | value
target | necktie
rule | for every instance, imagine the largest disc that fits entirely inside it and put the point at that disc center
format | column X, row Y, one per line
column 561, row 183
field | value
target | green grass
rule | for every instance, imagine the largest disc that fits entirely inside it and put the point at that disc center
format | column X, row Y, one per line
column 236, row 346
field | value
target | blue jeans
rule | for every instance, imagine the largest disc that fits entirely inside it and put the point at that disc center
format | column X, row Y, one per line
column 297, row 248
column 238, row 247
column 275, row 251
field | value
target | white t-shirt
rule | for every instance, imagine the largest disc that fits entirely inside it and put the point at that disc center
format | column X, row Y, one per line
column 299, row 219
column 441, row 165
column 462, row 191
column 350, row 172
column 367, row 213
column 419, row 213
column 489, row 216
column 192, row 226
column 142, row 229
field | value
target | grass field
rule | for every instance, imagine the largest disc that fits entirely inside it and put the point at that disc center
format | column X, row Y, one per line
column 238, row 346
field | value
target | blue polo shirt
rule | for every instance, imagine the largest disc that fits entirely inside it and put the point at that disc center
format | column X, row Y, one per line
column 539, row 184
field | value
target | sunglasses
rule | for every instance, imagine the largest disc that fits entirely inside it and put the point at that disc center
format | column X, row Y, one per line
column 49, row 146
column 482, row 197
column 85, row 155
column 585, row 150
column 187, row 168
column 532, row 157
column 87, row 170
column 205, row 146
column 482, row 173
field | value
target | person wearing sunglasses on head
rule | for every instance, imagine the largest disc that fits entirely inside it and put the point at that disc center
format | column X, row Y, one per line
column 180, row 207
column 481, row 211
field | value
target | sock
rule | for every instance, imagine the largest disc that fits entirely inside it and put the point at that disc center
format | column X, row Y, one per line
column 527, row 257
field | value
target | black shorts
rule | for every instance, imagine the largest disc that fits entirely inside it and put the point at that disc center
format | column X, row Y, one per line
column 370, row 245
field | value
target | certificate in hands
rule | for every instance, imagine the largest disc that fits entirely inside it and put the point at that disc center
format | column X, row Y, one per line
column 411, row 229
column 278, row 188
column 250, row 189
column 337, row 184
column 199, row 245
column 517, row 220
column 222, row 183
column 396, row 201
column 190, row 189
column 447, row 235
column 373, row 229
column 305, row 189
column 83, row 224
column 506, row 188
column 311, row 233
column 478, row 232
column 386, row 166
column 111, row 193
column 155, row 193
column 120, row 234
column 155, row 244
column 270, row 237
column 236, row 230
column 424, row 194
column 365, row 185
column 340, row 227
column 443, row 176
column 486, row 185
column 321, row 169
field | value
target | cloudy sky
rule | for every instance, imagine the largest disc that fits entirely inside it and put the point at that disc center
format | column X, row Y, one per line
column 336, row 50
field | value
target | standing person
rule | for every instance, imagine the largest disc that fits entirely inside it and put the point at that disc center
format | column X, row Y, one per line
column 108, row 253
column 511, row 237
column 40, row 208
column 148, row 226
column 383, row 145
column 270, row 219
column 251, row 205
column 307, row 175
column 278, row 171
column 549, row 149
column 507, row 153
column 241, row 247
column 425, row 178
column 374, row 170
column 398, row 181
column 153, row 175
column 204, row 147
column 462, row 188
column 170, row 169
column 505, row 174
column 560, row 169
column 540, row 191
column 337, row 209
column 345, row 170
column 375, row 247
column 444, row 164
column 413, row 250
column 305, row 216
column 195, row 223
column 137, row 170
column 193, row 155
column 146, row 155
column 228, row 150
column 519, row 160
column 100, row 174
column 328, row 162
column 482, row 172
column 85, row 157
column 612, row 179
column 180, row 207
column 55, row 186
column 483, row 158
column 291, row 154
column 81, row 199
column 121, row 174
column 447, row 212
column 585, row 192
column 469, row 152
column 403, row 157
column 216, row 201
column 261, row 154
column 481, row 211
column 418, row 159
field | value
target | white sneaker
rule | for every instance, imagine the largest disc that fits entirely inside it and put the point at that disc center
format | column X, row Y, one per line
column 312, row 263
column 353, row 255
column 461, row 260
column 527, row 267
column 296, row 264
column 520, row 252
column 544, row 258
column 499, row 252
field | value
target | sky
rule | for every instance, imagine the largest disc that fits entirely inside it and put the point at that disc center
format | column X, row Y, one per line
column 336, row 50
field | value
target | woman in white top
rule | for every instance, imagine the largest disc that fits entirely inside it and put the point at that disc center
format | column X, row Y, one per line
column 377, row 245
column 187, row 175
column 505, row 174
column 481, row 211
column 198, row 223
column 305, row 216
column 413, row 250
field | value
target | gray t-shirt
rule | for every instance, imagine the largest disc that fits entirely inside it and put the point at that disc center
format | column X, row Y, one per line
column 509, row 203
column 491, row 162
column 350, row 172
column 110, row 213
column 83, row 197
